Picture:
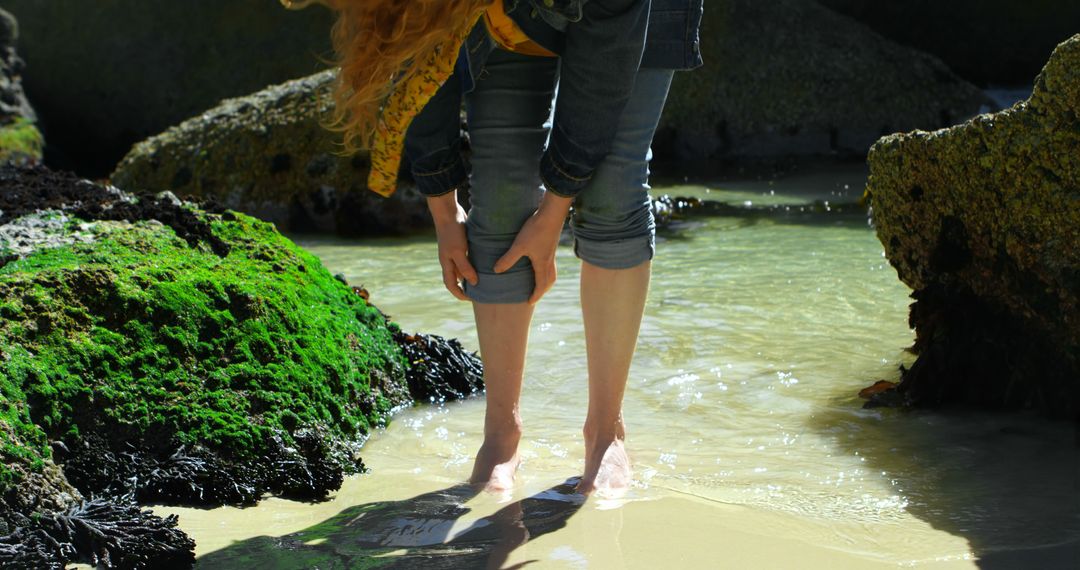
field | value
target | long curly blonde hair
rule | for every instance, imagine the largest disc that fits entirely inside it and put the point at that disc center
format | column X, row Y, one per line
column 377, row 43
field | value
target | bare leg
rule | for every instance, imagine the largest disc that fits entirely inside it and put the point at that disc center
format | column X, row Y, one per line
column 612, row 303
column 503, row 330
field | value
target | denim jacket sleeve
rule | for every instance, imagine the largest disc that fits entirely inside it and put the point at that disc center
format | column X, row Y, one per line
column 433, row 142
column 599, row 63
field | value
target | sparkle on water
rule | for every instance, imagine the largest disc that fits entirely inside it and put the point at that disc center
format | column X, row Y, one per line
column 749, row 443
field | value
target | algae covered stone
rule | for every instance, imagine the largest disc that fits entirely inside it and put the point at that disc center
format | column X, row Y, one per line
column 982, row 220
column 203, row 346
column 20, row 139
column 269, row 155
column 158, row 350
column 20, row 142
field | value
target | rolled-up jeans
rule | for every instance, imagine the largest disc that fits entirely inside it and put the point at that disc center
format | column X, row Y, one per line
column 508, row 115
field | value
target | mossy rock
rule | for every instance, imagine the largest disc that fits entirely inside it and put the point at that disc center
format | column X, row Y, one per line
column 215, row 336
column 21, row 142
column 982, row 220
column 269, row 155
column 790, row 77
column 158, row 350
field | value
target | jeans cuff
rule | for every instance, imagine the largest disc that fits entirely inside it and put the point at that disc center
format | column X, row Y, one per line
column 515, row 285
column 616, row 254
column 441, row 181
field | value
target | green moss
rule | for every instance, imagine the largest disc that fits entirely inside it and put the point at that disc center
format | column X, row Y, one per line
column 141, row 337
column 22, row 444
column 20, row 140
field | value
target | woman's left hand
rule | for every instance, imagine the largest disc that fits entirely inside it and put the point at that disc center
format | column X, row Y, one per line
column 537, row 240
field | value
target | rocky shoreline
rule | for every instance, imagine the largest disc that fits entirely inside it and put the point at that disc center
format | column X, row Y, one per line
column 160, row 356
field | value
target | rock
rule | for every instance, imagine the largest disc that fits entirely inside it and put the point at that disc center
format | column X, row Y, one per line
column 104, row 75
column 168, row 197
column 20, row 140
column 982, row 220
column 44, row 229
column 988, row 42
column 790, row 77
column 187, row 354
column 269, row 155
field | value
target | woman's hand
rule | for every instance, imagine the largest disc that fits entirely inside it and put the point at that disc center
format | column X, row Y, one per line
column 537, row 240
column 449, row 219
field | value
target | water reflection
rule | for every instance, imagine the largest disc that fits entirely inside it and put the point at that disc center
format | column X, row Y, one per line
column 412, row 533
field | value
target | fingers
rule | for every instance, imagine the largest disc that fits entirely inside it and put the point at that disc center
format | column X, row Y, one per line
column 450, row 279
column 545, row 275
column 509, row 259
column 465, row 269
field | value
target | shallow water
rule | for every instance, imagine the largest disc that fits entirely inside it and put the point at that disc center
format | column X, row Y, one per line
column 750, row 446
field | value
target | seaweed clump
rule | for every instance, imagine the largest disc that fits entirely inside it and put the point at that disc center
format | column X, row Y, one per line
column 439, row 369
column 109, row 534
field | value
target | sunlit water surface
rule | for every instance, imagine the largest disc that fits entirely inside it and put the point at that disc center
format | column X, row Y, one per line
column 750, row 445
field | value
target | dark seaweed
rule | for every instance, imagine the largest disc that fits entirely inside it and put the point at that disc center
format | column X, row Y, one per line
column 102, row 532
column 439, row 369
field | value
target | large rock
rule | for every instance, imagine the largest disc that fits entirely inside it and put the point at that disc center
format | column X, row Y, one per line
column 20, row 140
column 1002, row 42
column 269, row 155
column 108, row 73
column 182, row 354
column 982, row 220
column 790, row 77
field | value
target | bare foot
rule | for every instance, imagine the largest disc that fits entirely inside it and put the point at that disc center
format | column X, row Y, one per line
column 502, row 475
column 607, row 470
column 497, row 463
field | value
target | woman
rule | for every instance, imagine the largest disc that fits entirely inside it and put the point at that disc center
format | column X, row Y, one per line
column 612, row 61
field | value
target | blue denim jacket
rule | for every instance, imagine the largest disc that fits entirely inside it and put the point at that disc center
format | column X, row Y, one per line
column 601, row 44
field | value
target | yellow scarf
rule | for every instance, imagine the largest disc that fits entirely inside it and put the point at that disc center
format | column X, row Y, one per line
column 404, row 103
column 409, row 98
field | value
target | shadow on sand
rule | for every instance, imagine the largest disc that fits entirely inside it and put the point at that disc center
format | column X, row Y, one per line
column 1007, row 483
column 412, row 533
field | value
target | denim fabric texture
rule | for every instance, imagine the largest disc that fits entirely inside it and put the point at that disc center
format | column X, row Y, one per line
column 509, row 122
column 602, row 47
column 600, row 54
column 672, row 42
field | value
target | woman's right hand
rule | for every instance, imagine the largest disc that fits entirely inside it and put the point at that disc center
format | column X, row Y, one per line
column 449, row 219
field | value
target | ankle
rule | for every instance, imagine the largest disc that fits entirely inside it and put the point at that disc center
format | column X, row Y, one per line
column 604, row 432
column 504, row 434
